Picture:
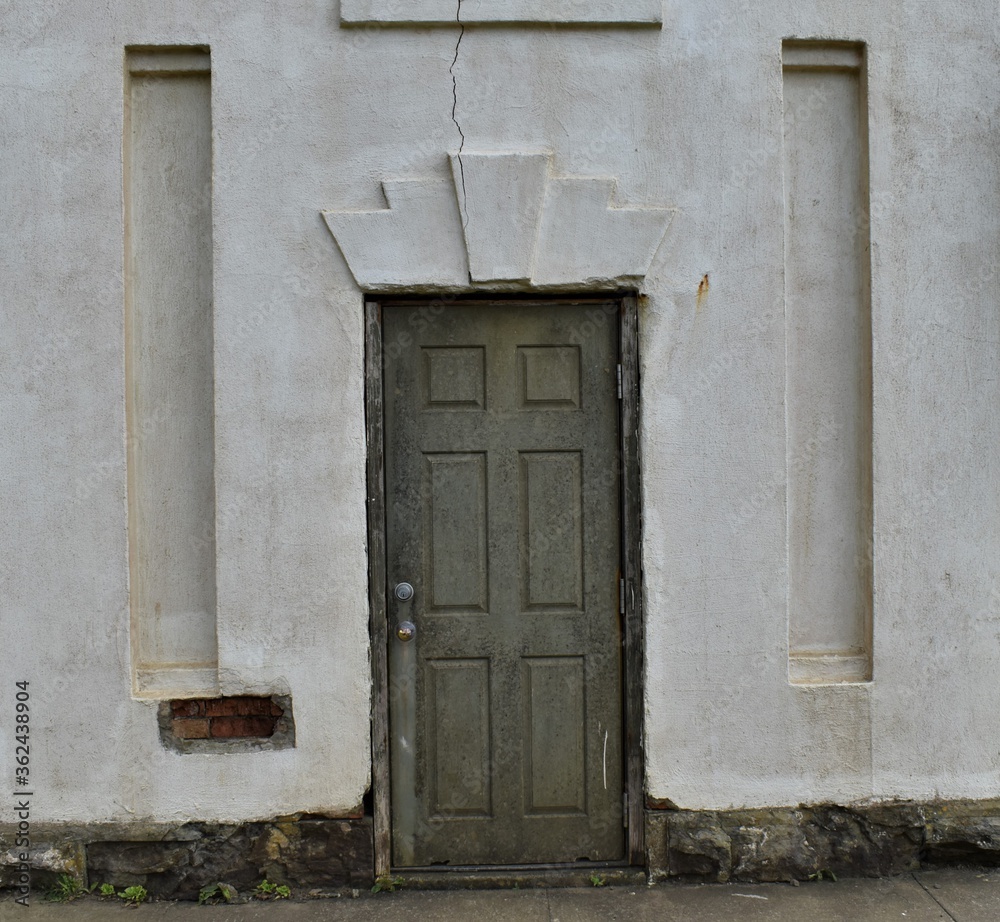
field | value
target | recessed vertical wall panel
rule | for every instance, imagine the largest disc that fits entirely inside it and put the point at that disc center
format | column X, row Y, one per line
column 169, row 370
column 829, row 355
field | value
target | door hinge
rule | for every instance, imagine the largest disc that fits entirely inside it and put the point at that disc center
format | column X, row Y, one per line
column 621, row 597
column 625, row 809
column 619, row 382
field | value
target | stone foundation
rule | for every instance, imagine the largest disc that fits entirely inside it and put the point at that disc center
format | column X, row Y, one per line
column 175, row 862
column 317, row 853
column 795, row 843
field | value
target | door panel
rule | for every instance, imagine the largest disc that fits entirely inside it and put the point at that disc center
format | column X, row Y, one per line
column 555, row 777
column 458, row 737
column 502, row 511
column 456, row 532
column 550, row 501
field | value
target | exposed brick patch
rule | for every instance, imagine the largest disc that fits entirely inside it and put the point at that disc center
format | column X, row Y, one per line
column 225, row 718
column 232, row 724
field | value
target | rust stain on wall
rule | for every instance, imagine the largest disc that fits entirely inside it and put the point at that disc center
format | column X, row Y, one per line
column 702, row 292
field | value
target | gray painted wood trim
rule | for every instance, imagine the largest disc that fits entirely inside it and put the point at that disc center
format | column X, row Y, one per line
column 632, row 574
column 376, row 585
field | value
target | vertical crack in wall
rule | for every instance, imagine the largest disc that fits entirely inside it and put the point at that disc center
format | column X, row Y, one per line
column 454, row 111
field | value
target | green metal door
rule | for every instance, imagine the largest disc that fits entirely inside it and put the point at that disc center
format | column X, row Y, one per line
column 502, row 552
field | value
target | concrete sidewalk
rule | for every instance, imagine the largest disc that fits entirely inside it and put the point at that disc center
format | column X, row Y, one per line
column 950, row 895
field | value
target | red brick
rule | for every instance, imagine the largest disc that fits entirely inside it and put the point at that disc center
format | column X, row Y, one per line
column 230, row 727
column 191, row 729
column 188, row 708
column 222, row 707
column 240, row 707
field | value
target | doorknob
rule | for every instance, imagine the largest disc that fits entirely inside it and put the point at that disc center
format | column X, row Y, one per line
column 406, row 631
column 403, row 592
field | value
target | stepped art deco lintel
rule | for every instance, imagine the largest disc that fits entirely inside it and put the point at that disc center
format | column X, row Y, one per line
column 500, row 220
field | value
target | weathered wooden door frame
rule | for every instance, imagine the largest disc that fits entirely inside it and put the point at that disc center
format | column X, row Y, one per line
column 628, row 351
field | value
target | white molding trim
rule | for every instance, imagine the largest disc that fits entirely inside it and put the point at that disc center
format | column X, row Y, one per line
column 449, row 12
column 159, row 682
column 829, row 669
column 501, row 220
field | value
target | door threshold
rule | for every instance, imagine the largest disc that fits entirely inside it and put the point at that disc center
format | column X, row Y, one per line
column 520, row 877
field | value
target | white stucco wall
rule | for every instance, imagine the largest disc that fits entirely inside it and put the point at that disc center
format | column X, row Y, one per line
column 308, row 115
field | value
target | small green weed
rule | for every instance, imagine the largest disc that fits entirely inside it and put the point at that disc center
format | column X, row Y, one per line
column 824, row 874
column 106, row 890
column 596, row 880
column 216, row 893
column 387, row 884
column 65, row 889
column 265, row 890
column 134, row 895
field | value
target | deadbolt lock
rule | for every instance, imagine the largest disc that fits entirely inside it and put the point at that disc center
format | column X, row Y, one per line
column 403, row 592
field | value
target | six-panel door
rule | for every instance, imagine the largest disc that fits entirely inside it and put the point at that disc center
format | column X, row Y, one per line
column 502, row 495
